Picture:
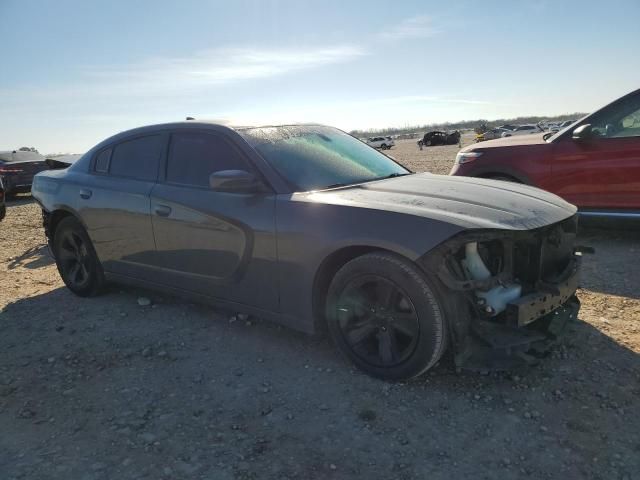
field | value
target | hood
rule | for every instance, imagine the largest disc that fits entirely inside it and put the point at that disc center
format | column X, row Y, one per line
column 513, row 141
column 464, row 201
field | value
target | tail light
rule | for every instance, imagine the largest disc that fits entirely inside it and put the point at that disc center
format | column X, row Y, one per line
column 10, row 170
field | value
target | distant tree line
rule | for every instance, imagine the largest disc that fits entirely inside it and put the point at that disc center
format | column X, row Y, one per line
column 465, row 124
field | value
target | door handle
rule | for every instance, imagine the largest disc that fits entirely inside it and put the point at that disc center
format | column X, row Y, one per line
column 163, row 210
column 85, row 193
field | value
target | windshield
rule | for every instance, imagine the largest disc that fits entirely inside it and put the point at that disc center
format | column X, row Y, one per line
column 316, row 157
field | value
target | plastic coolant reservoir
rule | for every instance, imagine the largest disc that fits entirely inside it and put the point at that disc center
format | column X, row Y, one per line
column 498, row 297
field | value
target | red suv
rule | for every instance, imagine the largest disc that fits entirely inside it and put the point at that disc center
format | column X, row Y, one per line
column 593, row 163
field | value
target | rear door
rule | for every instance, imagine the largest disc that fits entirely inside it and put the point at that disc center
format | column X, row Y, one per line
column 602, row 172
column 115, row 205
column 217, row 244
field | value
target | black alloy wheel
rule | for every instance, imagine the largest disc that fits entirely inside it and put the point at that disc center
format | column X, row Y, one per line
column 76, row 259
column 386, row 315
column 378, row 321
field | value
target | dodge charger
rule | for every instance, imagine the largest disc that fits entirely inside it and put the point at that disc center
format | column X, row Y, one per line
column 309, row 227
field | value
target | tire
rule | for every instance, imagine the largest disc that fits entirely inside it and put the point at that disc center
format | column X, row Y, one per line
column 385, row 316
column 76, row 259
column 383, row 146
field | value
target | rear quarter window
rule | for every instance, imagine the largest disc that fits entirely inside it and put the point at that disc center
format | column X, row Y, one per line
column 102, row 161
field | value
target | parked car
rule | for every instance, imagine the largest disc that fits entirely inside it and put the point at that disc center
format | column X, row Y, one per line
column 508, row 126
column 594, row 163
column 382, row 143
column 522, row 130
column 310, row 227
column 565, row 124
column 18, row 167
column 440, row 138
column 552, row 127
column 3, row 207
column 490, row 134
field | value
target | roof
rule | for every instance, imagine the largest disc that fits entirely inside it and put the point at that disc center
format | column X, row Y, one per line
column 19, row 156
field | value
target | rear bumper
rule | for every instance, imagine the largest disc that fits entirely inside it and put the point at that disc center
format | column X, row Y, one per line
column 17, row 184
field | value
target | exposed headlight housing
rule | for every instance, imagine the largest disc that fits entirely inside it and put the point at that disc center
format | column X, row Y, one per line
column 466, row 157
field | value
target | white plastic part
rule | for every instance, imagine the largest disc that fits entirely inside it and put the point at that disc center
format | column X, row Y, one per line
column 498, row 297
column 473, row 263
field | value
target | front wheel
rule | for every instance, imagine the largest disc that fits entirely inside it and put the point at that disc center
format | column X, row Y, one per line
column 76, row 258
column 384, row 315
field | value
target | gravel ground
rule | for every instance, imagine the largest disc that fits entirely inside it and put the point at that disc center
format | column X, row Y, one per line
column 106, row 388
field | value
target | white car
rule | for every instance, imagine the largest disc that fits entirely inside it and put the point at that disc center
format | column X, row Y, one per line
column 383, row 143
column 523, row 130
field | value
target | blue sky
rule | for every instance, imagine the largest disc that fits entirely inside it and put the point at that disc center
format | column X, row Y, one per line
column 76, row 71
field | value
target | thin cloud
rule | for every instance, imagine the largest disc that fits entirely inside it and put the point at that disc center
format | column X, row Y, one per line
column 221, row 66
column 176, row 78
column 414, row 27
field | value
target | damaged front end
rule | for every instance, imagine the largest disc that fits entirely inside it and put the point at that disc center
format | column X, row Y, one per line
column 515, row 292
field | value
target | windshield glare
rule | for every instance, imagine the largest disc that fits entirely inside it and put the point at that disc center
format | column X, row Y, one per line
column 314, row 157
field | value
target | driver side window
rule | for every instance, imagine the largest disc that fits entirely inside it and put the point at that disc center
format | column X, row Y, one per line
column 193, row 156
column 622, row 120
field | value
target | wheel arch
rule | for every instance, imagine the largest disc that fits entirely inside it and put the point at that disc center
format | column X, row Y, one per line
column 496, row 175
column 52, row 220
column 501, row 171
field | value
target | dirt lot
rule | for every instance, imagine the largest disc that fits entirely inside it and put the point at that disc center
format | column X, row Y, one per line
column 104, row 388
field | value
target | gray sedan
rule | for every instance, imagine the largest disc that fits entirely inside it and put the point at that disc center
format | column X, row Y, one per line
column 311, row 228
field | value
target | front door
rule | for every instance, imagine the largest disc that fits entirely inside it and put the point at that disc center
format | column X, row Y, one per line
column 213, row 243
column 602, row 172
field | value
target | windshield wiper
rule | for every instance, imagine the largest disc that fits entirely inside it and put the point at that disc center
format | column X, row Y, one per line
column 346, row 184
column 394, row 175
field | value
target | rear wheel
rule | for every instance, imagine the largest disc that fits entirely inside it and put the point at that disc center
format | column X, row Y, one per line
column 76, row 258
column 384, row 315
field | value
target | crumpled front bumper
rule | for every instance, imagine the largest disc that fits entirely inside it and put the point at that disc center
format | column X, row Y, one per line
column 493, row 346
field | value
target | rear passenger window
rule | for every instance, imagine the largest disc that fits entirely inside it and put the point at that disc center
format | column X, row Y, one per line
column 138, row 158
column 102, row 161
column 193, row 157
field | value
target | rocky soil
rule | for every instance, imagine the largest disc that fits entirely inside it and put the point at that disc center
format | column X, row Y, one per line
column 136, row 385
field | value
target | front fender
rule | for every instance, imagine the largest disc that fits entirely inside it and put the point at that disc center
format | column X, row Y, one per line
column 309, row 233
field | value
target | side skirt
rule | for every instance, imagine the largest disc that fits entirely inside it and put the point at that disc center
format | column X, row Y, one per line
column 275, row 317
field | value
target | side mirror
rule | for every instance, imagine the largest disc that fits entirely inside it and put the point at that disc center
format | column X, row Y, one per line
column 583, row 132
column 238, row 181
